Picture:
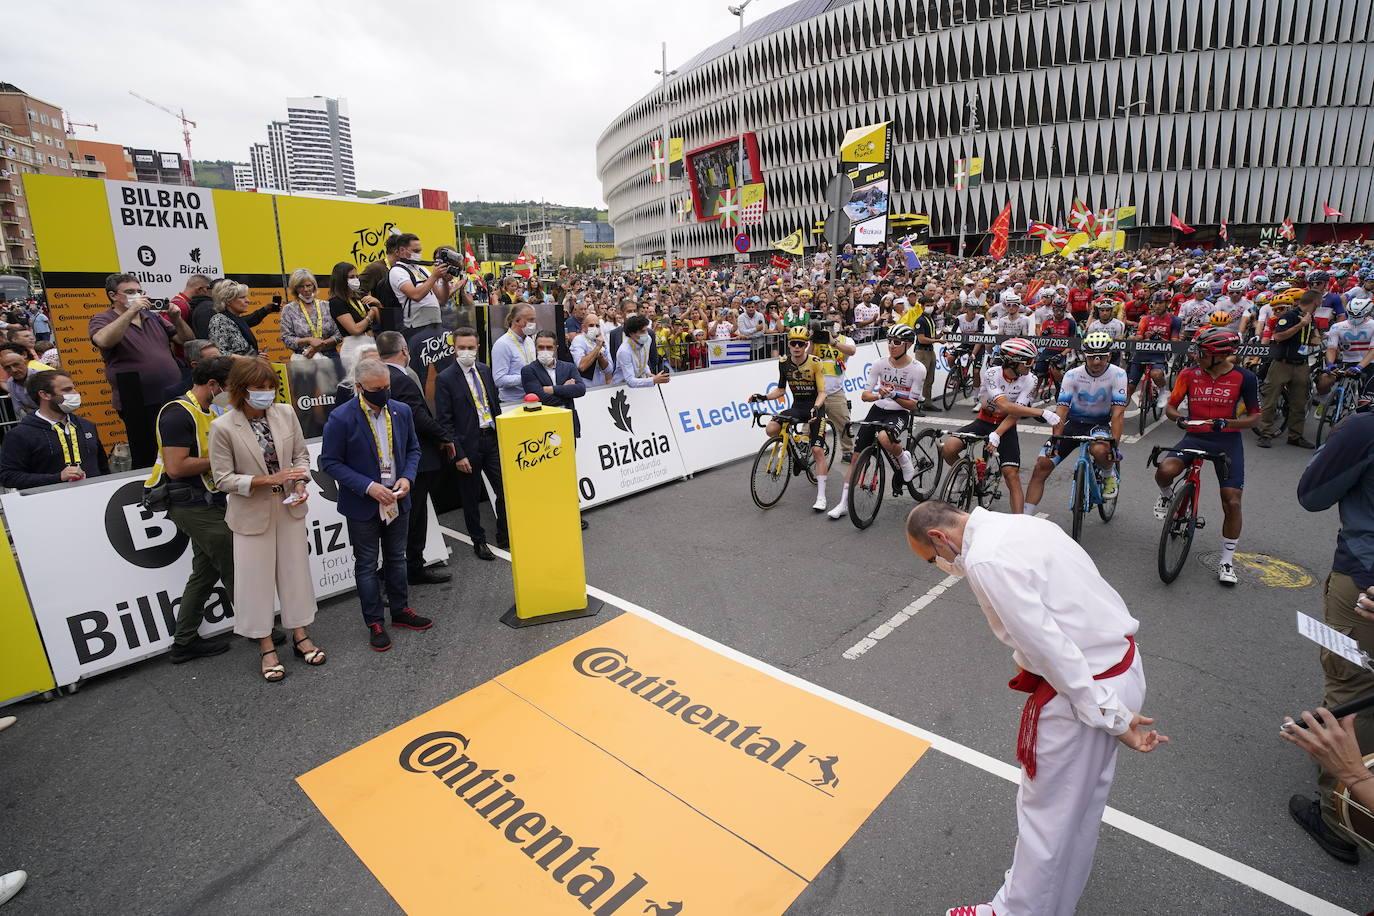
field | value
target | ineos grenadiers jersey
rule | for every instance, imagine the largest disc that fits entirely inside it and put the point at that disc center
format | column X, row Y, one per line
column 1216, row 398
column 906, row 381
column 995, row 385
column 1350, row 341
column 1092, row 399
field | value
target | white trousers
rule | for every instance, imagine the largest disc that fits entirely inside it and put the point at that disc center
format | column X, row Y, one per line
column 1059, row 812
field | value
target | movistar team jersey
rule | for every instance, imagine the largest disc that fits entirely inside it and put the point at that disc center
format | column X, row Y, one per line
column 1092, row 399
column 1350, row 341
column 805, row 379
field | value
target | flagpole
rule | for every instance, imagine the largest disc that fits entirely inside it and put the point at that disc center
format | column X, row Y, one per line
column 738, row 11
column 667, row 182
column 1121, row 168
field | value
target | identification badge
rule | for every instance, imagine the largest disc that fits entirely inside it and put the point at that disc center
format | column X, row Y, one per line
column 1304, row 350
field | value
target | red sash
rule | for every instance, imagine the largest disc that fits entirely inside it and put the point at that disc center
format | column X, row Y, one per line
column 1041, row 693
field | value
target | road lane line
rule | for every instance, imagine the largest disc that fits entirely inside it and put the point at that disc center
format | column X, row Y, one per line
column 1156, row 836
column 899, row 618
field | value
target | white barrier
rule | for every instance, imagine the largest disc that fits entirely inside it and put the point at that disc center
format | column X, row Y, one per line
column 627, row 444
column 105, row 577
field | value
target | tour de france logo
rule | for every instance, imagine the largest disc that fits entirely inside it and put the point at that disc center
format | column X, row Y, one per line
column 534, row 452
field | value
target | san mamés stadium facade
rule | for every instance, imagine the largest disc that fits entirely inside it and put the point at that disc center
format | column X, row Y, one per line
column 1250, row 111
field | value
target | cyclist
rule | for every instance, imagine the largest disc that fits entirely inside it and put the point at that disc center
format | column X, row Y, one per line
column 1158, row 325
column 804, row 374
column 1194, row 312
column 1106, row 321
column 1215, row 389
column 1012, row 321
column 1059, row 324
column 894, row 390
column 1003, row 399
column 1092, row 400
column 969, row 321
column 1348, row 343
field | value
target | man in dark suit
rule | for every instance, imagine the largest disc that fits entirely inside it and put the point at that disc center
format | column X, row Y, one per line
column 371, row 451
column 555, row 382
column 618, row 337
column 434, row 450
column 467, row 404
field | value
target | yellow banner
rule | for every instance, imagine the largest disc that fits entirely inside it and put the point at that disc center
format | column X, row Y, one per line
column 674, row 149
column 317, row 234
column 792, row 244
column 23, row 663
column 865, row 144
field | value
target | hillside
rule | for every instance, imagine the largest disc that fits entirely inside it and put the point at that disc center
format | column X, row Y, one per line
column 491, row 213
column 215, row 174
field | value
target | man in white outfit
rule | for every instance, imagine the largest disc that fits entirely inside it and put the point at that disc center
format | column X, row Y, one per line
column 1074, row 641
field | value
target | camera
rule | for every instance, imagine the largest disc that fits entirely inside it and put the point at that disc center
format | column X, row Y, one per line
column 450, row 259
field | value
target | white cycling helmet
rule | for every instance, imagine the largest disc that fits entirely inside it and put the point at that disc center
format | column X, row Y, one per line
column 1360, row 308
column 1236, row 286
column 1010, row 297
column 1203, row 285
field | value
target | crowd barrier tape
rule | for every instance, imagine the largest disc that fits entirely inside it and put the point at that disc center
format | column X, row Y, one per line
column 105, row 576
column 1131, row 348
column 24, row 668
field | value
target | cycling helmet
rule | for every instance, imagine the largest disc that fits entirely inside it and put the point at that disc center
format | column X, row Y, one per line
column 1341, row 274
column 1161, row 295
column 1261, row 280
column 1220, row 318
column 1111, row 286
column 1287, row 297
column 1204, row 286
column 1097, row 342
column 799, row 333
column 1281, row 287
column 1018, row 350
column 1263, row 297
column 1217, row 341
column 1236, row 286
column 1318, row 276
column 1107, row 304
column 1360, row 308
column 1010, row 297
column 901, row 333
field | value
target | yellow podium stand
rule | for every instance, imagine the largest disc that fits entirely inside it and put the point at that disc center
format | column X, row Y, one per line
column 540, row 474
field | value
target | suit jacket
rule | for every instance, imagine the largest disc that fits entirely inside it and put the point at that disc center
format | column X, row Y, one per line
column 236, row 458
column 427, row 428
column 456, row 411
column 567, row 384
column 618, row 338
column 349, row 455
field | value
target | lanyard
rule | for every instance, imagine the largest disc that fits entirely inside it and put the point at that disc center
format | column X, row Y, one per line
column 641, row 365
column 382, row 463
column 71, row 454
column 316, row 326
column 478, row 396
column 520, row 345
column 358, row 308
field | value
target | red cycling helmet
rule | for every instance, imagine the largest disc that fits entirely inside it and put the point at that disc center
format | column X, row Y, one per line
column 1217, row 341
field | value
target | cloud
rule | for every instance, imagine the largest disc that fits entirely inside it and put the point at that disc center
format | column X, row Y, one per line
column 490, row 101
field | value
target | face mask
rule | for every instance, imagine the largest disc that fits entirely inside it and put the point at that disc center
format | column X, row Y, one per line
column 466, row 358
column 642, row 339
column 531, row 329
column 377, row 398
column 355, row 284
column 593, row 334
column 261, row 400
column 546, row 357
column 71, row 401
column 954, row 567
column 307, row 298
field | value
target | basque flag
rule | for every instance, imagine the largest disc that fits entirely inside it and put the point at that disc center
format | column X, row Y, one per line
column 1179, row 224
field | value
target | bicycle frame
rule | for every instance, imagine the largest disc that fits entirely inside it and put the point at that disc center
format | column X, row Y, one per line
column 793, row 442
column 1089, row 465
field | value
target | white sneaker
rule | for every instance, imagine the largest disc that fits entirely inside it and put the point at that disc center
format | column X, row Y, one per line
column 973, row 909
column 1226, row 574
column 12, row 884
column 1162, row 507
column 819, row 504
column 908, row 470
column 841, row 509
column 1163, row 400
column 6, row 722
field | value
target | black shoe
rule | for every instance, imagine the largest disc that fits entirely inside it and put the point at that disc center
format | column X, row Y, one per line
column 482, row 550
column 584, row 524
column 929, row 407
column 1266, row 442
column 847, row 457
column 198, row 648
column 278, row 636
column 379, row 640
column 1308, row 813
column 423, row 576
column 409, row 620
column 503, row 542
column 1300, row 442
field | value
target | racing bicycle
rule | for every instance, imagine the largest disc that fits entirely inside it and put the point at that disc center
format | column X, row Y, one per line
column 1183, row 520
column 959, row 379
column 874, row 465
column 974, row 481
column 1341, row 403
column 784, row 456
column 1148, row 392
column 1086, row 489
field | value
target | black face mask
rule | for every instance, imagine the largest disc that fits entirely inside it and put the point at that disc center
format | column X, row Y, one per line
column 377, row 398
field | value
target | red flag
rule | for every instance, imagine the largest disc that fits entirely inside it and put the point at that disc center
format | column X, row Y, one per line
column 1328, row 210
column 524, row 265
column 779, row 261
column 1287, row 231
column 1001, row 228
column 1225, row 235
column 1179, row 224
column 470, row 266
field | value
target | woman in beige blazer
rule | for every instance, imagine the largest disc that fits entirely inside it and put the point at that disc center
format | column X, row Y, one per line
column 258, row 458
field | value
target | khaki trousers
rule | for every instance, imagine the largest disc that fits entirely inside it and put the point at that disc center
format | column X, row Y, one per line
column 273, row 564
column 837, row 412
column 926, row 358
column 1345, row 681
column 1284, row 376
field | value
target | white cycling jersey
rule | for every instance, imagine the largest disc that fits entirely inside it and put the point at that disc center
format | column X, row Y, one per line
column 995, row 385
column 907, row 381
column 1020, row 326
column 1113, row 327
column 1350, row 341
column 1092, row 399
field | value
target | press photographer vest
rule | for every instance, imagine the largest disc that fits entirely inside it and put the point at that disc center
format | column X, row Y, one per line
column 202, row 419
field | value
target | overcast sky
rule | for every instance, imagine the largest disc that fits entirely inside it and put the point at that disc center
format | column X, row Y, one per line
column 422, row 88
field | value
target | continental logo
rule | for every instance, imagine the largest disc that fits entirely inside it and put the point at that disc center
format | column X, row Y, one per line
column 614, row 666
column 487, row 791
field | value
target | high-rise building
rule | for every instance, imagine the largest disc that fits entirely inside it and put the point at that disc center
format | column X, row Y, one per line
column 156, row 166
column 321, row 146
column 243, row 177
column 40, row 121
column 264, row 175
column 17, row 158
column 279, row 143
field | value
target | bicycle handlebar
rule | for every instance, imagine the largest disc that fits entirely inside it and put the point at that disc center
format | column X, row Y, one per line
column 1220, row 459
column 1107, row 439
column 901, row 425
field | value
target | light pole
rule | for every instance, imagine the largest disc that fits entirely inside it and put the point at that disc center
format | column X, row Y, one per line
column 739, row 95
column 1121, row 165
column 967, row 128
column 664, row 73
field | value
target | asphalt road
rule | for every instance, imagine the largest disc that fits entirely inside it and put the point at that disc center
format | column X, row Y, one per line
column 162, row 789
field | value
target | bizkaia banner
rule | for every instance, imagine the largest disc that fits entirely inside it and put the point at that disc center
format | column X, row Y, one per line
column 164, row 234
column 626, row 445
column 105, row 589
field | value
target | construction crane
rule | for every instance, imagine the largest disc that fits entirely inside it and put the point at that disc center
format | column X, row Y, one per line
column 186, row 125
column 73, row 125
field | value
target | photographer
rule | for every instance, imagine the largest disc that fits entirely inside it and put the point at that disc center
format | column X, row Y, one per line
column 419, row 291
column 134, row 336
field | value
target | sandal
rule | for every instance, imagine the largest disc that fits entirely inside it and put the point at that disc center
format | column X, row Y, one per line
column 314, row 657
column 273, row 673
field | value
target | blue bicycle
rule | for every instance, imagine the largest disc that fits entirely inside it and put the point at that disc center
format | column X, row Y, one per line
column 1086, row 491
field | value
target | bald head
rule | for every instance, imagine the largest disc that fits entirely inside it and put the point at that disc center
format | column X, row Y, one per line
column 934, row 516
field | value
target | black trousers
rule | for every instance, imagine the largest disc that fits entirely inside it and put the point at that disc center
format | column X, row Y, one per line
column 140, row 425
column 486, row 460
column 419, row 519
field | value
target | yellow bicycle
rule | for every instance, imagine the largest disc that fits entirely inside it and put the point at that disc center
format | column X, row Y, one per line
column 784, row 456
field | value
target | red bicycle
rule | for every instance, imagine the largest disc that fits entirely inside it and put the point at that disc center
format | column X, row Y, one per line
column 1182, row 520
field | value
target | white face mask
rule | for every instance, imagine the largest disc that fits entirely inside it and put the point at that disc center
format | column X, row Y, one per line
column 546, row 357
column 306, row 298
column 954, row 567
column 71, row 402
column 355, row 284
column 531, row 329
column 594, row 334
column 466, row 358
column 261, row 400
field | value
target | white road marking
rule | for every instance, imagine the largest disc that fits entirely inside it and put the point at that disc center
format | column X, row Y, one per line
column 1156, row 836
column 1131, row 440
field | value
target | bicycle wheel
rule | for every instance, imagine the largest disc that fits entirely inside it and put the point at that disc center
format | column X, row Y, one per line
column 1107, row 507
column 924, row 449
column 1078, row 503
column 1147, row 397
column 954, row 383
column 960, row 486
column 771, row 473
column 990, row 489
column 1334, row 412
column 1176, row 537
column 830, row 440
column 866, row 492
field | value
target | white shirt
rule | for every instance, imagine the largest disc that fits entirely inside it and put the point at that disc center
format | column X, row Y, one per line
column 386, row 460
column 907, row 381
column 1043, row 597
column 865, row 312
column 750, row 326
column 581, row 346
column 417, row 312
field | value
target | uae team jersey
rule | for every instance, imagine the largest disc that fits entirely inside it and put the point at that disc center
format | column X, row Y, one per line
column 1092, row 399
column 1216, row 398
column 1350, row 341
column 995, row 385
column 906, row 381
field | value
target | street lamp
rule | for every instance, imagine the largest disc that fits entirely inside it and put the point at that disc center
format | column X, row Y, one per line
column 664, row 73
column 967, row 128
column 1121, row 164
column 739, row 91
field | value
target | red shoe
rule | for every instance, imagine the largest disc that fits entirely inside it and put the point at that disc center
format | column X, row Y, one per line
column 409, row 620
column 378, row 640
column 972, row 909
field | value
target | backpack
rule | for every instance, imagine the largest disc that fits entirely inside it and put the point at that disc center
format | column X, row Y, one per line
column 393, row 310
